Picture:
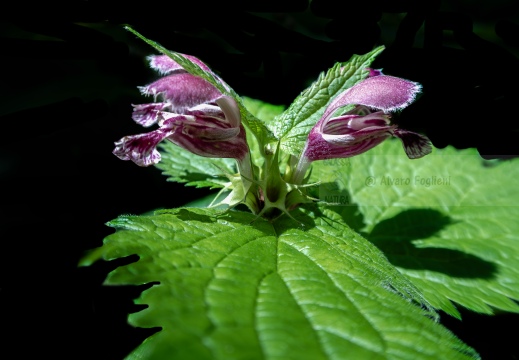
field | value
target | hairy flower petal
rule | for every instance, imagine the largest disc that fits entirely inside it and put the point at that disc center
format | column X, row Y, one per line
column 182, row 91
column 382, row 92
column 165, row 65
column 147, row 114
column 142, row 148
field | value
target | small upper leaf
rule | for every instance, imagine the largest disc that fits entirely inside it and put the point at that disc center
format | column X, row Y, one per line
column 293, row 126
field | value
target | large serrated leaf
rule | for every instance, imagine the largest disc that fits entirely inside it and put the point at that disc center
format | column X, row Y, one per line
column 183, row 166
column 262, row 133
column 236, row 287
column 294, row 125
column 448, row 221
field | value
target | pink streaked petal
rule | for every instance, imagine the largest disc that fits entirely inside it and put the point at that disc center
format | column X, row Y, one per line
column 210, row 133
column 346, row 124
column 339, row 125
column 415, row 145
column 235, row 147
column 359, row 110
column 358, row 136
column 170, row 120
column 387, row 93
column 182, row 91
column 141, row 148
column 359, row 147
column 343, row 146
column 165, row 65
column 147, row 114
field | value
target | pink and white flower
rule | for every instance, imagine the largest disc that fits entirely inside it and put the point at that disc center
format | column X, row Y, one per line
column 190, row 112
column 365, row 126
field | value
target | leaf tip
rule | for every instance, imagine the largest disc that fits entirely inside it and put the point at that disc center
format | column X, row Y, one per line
column 130, row 29
column 90, row 257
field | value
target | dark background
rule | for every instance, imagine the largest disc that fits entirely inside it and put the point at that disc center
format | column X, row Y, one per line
column 69, row 74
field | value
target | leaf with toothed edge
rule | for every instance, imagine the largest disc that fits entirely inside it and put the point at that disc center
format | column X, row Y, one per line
column 236, row 287
column 181, row 165
column 361, row 279
column 448, row 221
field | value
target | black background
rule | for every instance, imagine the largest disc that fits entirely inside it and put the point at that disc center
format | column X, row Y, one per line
column 70, row 72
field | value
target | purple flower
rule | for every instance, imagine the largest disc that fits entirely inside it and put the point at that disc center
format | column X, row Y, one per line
column 190, row 112
column 366, row 124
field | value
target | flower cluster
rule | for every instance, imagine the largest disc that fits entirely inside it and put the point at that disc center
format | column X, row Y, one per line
column 190, row 112
column 195, row 115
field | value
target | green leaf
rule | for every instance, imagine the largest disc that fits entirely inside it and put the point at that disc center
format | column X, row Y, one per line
column 236, row 287
column 293, row 126
column 448, row 221
column 267, row 113
column 264, row 111
column 262, row 133
column 183, row 166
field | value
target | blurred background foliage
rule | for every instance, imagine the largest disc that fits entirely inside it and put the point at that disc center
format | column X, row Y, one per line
column 70, row 74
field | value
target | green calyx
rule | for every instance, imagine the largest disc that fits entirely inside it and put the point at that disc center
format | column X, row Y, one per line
column 272, row 195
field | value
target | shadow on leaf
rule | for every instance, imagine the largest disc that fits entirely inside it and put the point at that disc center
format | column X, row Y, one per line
column 396, row 236
column 212, row 215
column 185, row 214
column 340, row 202
column 298, row 218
